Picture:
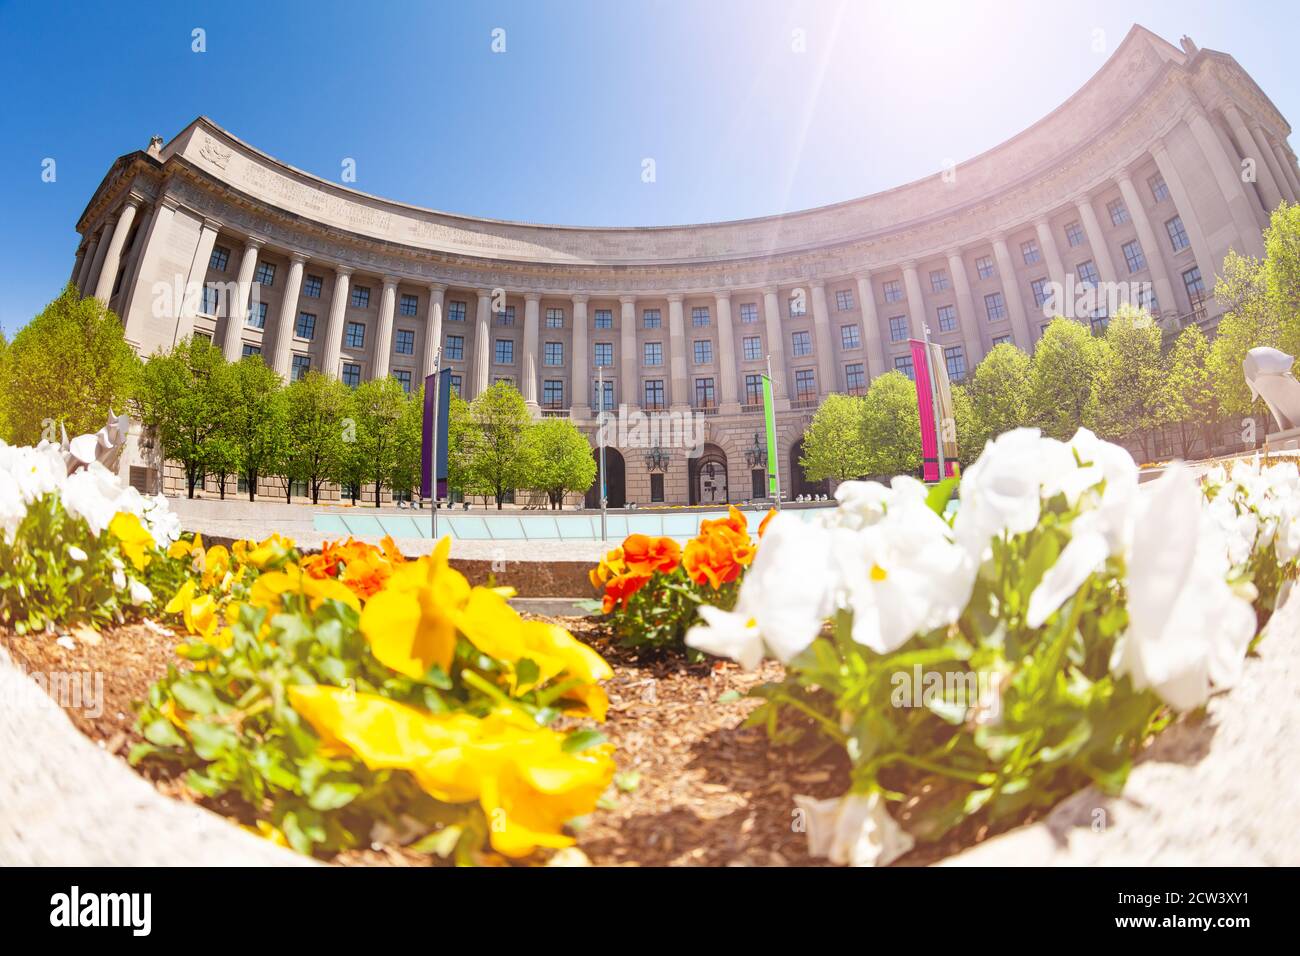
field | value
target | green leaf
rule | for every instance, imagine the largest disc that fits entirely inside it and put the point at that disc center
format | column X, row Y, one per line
column 581, row 740
column 940, row 493
column 333, row 794
column 162, row 732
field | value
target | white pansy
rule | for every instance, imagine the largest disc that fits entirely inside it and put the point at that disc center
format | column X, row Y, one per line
column 1114, row 512
column 76, row 554
column 1001, row 491
column 12, row 507
column 119, row 579
column 1084, row 554
column 787, row 594
column 861, row 503
column 1187, row 630
column 853, row 830
column 140, row 593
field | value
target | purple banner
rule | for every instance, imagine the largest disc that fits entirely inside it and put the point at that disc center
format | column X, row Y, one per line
column 437, row 402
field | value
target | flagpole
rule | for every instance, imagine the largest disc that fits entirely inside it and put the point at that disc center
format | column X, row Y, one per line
column 772, row 459
column 934, row 399
column 600, row 439
column 433, row 465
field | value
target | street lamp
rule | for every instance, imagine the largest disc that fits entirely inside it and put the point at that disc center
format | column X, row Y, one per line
column 755, row 455
column 657, row 459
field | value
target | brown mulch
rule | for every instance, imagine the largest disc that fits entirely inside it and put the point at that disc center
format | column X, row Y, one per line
column 694, row 787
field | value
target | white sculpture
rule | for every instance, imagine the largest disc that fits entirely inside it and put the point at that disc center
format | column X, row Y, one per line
column 1268, row 375
column 104, row 446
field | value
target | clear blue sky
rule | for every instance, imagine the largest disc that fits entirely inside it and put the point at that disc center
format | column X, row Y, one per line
column 555, row 128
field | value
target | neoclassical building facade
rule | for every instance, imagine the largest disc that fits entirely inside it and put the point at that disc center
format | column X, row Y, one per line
column 1145, row 178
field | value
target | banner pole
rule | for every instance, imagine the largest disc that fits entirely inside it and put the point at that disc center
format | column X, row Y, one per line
column 933, row 376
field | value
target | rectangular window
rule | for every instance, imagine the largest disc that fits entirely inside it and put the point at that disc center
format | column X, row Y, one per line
column 455, row 385
column 1074, row 234
column 1133, row 256
column 903, row 363
column 408, row 304
column 351, row 374
column 703, row 351
column 844, row 300
column 898, row 328
column 251, row 350
column 893, row 291
column 311, row 287
column 504, row 352
column 555, row 318
column 220, row 259
column 704, row 397
column 947, row 316
column 754, row 389
column 656, row 486
column 652, row 319
column 850, row 337
column 805, row 385
column 855, row 379
column 748, row 313
column 403, row 377
column 404, row 342
column 1118, row 212
column 506, row 316
column 306, row 327
column 1029, row 252
column 1041, row 293
column 360, row 297
column 753, row 346
column 596, row 396
column 553, row 354
column 801, row 344
column 503, row 380
column 456, row 312
column 652, row 353
column 798, row 304
column 995, row 306
column 355, row 335
column 553, row 393
column 1001, row 340
column 984, row 267
column 604, row 353
column 1147, row 298
column 1195, row 287
column 257, row 316
column 955, row 361
column 604, row 319
column 1098, row 320
column 700, row 316
column 1159, row 191
column 455, row 347
column 265, row 274
column 211, row 300
column 654, row 393
column 1177, row 234
column 1086, row 272
column 939, row 280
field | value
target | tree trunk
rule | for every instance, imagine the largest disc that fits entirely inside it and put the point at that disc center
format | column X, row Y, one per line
column 189, row 483
column 252, row 485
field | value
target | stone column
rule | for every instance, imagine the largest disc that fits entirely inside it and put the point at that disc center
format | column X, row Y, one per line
column 1287, row 165
column 1274, row 166
column 627, row 390
column 1096, row 240
column 871, row 326
column 136, row 307
column 532, row 310
column 482, row 342
column 1055, row 267
column 730, row 402
column 1011, row 292
column 1187, row 212
column 1228, row 176
column 775, row 347
column 87, row 263
column 334, row 327
column 1151, row 247
column 113, row 257
column 284, row 327
column 432, row 328
column 1269, row 193
column 580, row 360
column 238, row 310
column 826, row 382
column 97, row 263
column 681, row 396
column 384, row 331
column 192, row 301
column 77, row 265
column 971, row 326
column 915, row 300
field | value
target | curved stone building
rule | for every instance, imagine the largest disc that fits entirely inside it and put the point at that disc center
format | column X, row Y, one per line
column 1149, row 174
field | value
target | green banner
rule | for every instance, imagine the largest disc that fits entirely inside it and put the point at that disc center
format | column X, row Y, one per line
column 773, row 455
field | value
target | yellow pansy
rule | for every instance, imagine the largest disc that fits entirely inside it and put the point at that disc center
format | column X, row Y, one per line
column 216, row 565
column 262, row 553
column 411, row 624
column 182, row 548
column 198, row 611
column 136, row 542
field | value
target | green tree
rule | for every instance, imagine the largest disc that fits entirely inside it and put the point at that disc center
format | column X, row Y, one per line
column 999, row 394
column 963, row 412
column 462, row 439
column 891, row 426
column 1131, row 381
column 1062, row 391
column 497, row 463
column 1188, row 394
column 832, row 443
column 256, row 423
column 407, row 453
column 183, row 395
column 221, row 460
column 5, row 434
column 315, row 407
column 557, row 459
column 69, row 366
column 379, row 404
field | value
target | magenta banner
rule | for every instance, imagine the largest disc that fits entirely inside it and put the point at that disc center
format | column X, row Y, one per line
column 927, row 381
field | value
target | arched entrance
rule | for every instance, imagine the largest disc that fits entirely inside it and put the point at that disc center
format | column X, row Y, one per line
column 615, row 488
column 799, row 483
column 708, row 477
